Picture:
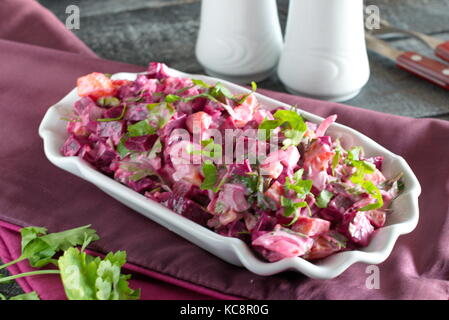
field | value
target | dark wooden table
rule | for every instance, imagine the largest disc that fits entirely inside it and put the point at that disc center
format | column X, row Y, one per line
column 139, row 31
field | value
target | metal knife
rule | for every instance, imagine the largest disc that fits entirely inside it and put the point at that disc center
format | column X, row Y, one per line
column 413, row 62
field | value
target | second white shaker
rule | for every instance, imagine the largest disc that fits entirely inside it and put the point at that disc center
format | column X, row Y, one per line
column 325, row 54
column 239, row 41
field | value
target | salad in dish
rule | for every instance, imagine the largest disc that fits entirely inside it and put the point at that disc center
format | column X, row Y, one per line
column 270, row 178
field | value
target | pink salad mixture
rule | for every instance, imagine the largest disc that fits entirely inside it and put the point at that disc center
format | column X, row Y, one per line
column 308, row 198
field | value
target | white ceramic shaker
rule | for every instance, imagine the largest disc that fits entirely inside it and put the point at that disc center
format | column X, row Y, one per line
column 325, row 54
column 239, row 40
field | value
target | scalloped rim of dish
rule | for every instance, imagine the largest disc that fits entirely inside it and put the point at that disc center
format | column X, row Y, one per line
column 403, row 220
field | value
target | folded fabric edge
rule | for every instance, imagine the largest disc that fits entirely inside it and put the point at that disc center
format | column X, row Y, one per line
column 14, row 269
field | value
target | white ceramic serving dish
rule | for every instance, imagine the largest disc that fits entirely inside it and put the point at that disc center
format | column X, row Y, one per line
column 404, row 219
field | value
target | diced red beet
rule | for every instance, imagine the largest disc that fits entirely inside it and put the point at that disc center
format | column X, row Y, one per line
column 85, row 153
column 336, row 208
column 275, row 191
column 77, row 128
column 143, row 184
column 198, row 121
column 103, row 154
column 91, row 113
column 110, row 129
column 324, row 246
column 176, row 122
column 188, row 209
column 377, row 161
column 113, row 112
column 82, row 104
column 136, row 113
column 377, row 217
column 281, row 243
column 214, row 109
column 359, row 228
column 234, row 196
column 241, row 168
column 266, row 223
column 157, row 70
column 311, row 227
column 71, row 147
column 141, row 143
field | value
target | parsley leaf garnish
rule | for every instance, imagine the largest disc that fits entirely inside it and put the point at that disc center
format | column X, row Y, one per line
column 323, row 198
column 39, row 247
column 358, row 178
column 141, row 128
column 293, row 125
column 108, row 102
column 24, row 296
column 291, row 208
column 210, row 175
column 88, row 278
column 301, row 187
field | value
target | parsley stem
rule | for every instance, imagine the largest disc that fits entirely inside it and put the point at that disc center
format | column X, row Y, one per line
column 26, row 274
column 10, row 263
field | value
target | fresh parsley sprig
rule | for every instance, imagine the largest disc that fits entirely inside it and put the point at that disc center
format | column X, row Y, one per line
column 39, row 247
column 293, row 126
column 84, row 277
column 362, row 168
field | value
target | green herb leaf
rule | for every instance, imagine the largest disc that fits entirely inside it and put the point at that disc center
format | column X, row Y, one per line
column 337, row 156
column 212, row 150
column 160, row 114
column 270, row 124
column 291, row 208
column 219, row 92
column 135, row 99
column 363, row 168
column 141, row 128
column 26, row 296
column 253, row 86
column 373, row 191
column 266, row 128
column 250, row 181
column 354, row 153
column 301, row 187
column 296, row 127
column 172, row 98
column 88, row 278
column 253, row 89
column 210, row 175
column 155, row 149
column 108, row 102
column 151, row 106
column 121, row 149
column 200, row 83
column 39, row 247
column 323, row 199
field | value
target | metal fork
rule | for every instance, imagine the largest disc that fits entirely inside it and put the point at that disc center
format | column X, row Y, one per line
column 440, row 47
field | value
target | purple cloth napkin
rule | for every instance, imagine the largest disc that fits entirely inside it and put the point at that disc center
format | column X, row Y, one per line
column 33, row 192
column 37, row 193
column 28, row 22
